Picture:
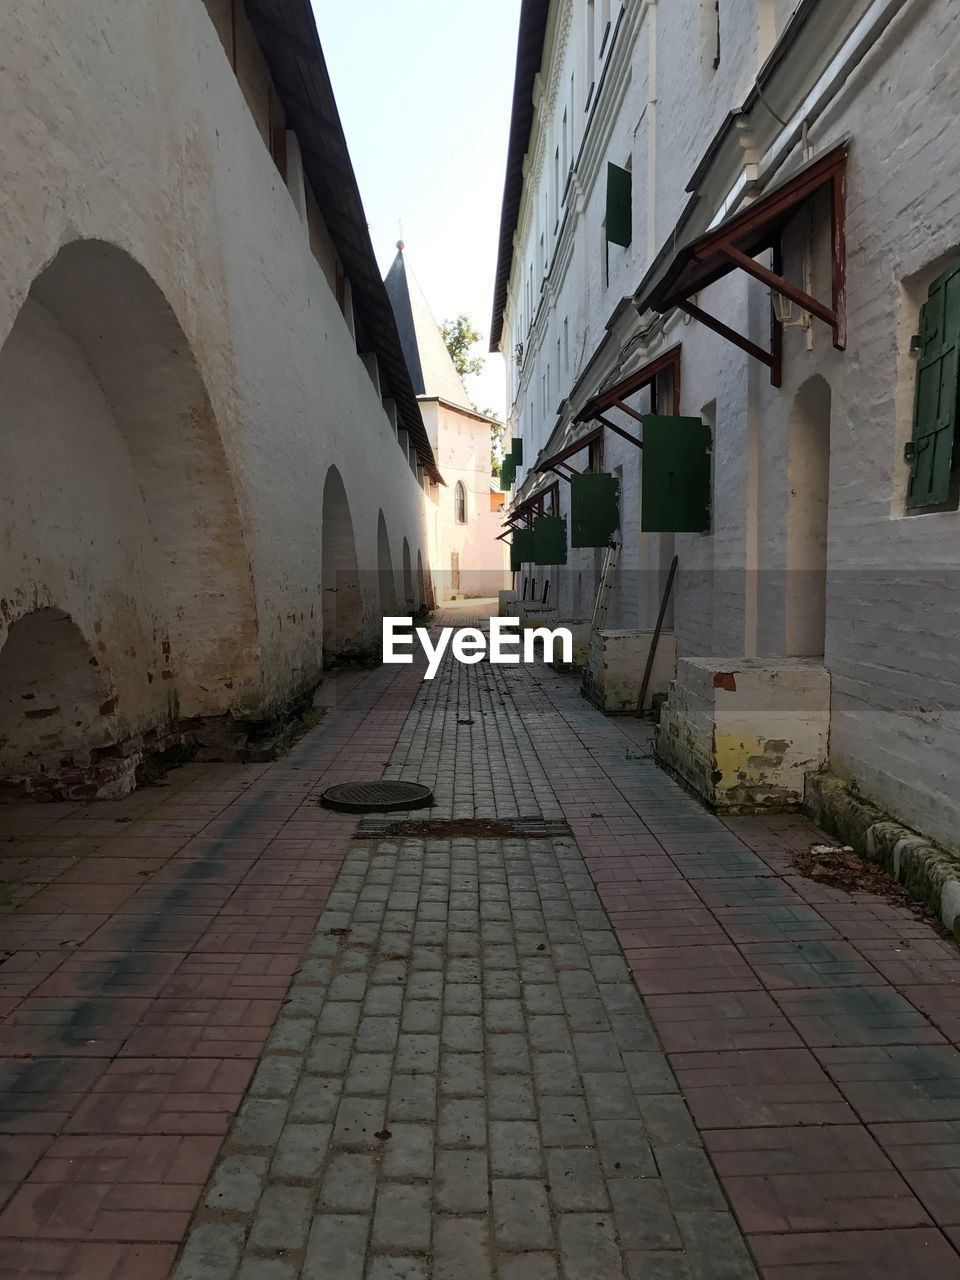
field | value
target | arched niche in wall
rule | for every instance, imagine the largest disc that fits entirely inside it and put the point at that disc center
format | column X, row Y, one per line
column 342, row 596
column 58, row 714
column 120, row 502
column 409, row 595
column 808, row 499
column 387, row 582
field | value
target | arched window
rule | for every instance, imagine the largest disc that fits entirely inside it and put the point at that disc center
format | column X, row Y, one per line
column 460, row 503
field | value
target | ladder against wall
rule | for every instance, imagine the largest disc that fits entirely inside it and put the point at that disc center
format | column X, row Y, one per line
column 611, row 558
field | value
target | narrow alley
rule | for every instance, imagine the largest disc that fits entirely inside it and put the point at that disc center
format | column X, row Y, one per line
column 565, row 1023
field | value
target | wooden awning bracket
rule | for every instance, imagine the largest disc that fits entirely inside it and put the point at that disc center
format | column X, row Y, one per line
column 533, row 506
column 776, row 283
column 772, row 359
column 570, row 451
column 612, row 426
column 625, row 408
column 615, row 398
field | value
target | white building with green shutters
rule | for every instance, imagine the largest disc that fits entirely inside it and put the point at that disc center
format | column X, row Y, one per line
column 742, row 218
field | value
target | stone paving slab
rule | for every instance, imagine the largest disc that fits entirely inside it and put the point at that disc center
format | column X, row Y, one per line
column 465, row 1081
column 150, row 946
column 411, row 1088
column 813, row 1033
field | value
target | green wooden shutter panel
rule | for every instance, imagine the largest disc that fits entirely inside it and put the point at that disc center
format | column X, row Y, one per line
column 675, row 475
column 521, row 549
column 550, row 540
column 938, row 390
column 508, row 471
column 594, row 509
column 619, row 205
column 516, row 451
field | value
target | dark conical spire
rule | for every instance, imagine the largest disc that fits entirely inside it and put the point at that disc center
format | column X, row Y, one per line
column 431, row 368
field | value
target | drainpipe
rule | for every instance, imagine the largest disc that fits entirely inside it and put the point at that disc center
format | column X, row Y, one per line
column 652, row 36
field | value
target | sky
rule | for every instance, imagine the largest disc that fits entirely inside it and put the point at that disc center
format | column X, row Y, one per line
column 424, row 89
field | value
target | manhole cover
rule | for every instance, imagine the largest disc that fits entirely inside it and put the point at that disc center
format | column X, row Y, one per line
column 376, row 797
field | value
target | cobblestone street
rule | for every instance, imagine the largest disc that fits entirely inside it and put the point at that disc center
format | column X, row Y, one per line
column 564, row 1025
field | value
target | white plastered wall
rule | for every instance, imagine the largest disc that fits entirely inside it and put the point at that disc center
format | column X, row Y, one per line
column 126, row 125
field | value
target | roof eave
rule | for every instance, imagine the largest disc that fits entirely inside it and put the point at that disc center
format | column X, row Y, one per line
column 530, row 46
column 288, row 37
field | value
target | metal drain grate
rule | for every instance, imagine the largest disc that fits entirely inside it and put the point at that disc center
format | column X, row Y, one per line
column 376, row 797
column 450, row 828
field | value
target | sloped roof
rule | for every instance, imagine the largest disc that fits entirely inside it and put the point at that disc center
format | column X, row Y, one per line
column 431, row 368
column 530, row 44
column 287, row 33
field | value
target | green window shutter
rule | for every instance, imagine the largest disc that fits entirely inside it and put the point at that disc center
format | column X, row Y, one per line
column 932, row 449
column 550, row 540
column 521, row 549
column 619, row 205
column 508, row 471
column 675, row 475
column 516, row 451
column 594, row 509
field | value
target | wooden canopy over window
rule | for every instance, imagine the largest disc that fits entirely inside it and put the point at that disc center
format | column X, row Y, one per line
column 615, row 397
column 571, row 450
column 735, row 244
column 534, row 506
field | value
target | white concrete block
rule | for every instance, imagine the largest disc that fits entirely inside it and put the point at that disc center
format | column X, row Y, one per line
column 616, row 660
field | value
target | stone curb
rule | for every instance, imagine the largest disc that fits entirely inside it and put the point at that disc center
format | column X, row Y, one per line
column 926, row 871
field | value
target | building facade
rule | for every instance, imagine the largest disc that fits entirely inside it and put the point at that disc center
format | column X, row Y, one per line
column 740, row 212
column 468, row 561
column 212, row 462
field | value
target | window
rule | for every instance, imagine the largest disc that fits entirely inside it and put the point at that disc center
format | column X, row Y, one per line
column 460, row 503
column 566, row 344
column 595, row 455
column 619, row 219
column 932, row 451
column 278, row 133
column 604, row 24
column 710, row 22
column 556, row 188
column 565, row 145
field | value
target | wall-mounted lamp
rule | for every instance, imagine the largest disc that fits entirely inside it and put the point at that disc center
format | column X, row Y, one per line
column 784, row 312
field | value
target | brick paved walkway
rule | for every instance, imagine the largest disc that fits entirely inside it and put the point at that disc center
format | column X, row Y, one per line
column 463, row 1080
column 813, row 1033
column 150, row 944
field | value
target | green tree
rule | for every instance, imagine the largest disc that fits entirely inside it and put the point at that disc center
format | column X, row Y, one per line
column 496, row 444
column 460, row 336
